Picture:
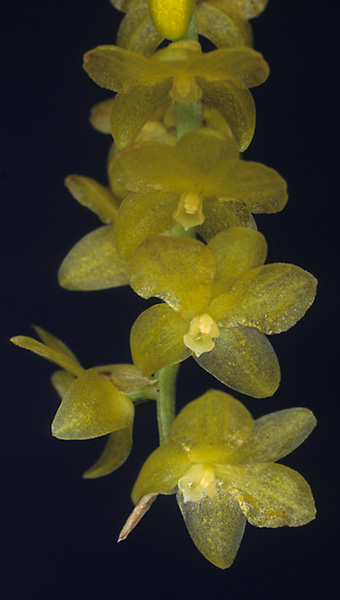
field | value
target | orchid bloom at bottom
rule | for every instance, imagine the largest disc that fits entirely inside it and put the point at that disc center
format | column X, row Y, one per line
column 95, row 402
column 221, row 464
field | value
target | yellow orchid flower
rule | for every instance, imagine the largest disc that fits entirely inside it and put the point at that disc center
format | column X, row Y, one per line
column 199, row 183
column 220, row 303
column 179, row 73
column 95, row 402
column 222, row 466
column 223, row 22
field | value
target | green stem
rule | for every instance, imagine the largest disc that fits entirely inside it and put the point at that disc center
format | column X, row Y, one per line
column 166, row 400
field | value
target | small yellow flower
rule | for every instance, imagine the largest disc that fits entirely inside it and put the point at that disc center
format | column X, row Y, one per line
column 220, row 303
column 179, row 72
column 221, row 464
column 95, row 401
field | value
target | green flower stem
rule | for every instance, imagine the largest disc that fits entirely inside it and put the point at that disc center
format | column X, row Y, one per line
column 166, row 400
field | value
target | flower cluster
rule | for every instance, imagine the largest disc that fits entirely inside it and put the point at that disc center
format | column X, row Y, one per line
column 178, row 224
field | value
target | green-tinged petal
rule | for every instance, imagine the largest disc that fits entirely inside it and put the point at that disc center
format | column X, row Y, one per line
column 249, row 8
column 161, row 471
column 171, row 17
column 92, row 407
column 142, row 215
column 115, row 453
column 100, row 116
column 244, row 360
column 177, row 270
column 138, row 33
column 236, row 251
column 214, row 415
column 241, row 64
column 158, row 166
column 221, row 216
column 206, row 146
column 62, row 381
column 93, row 263
column 157, row 339
column 94, row 196
column 261, row 188
column 131, row 111
column 216, row 526
column 53, row 342
column 120, row 70
column 272, row 298
column 58, row 357
column 236, row 105
column 223, row 25
column 277, row 434
column 269, row 495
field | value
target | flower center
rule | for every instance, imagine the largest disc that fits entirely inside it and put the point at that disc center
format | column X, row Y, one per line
column 185, row 89
column 189, row 211
column 199, row 338
column 197, row 482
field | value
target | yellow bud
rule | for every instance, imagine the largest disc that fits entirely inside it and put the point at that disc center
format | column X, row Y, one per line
column 199, row 338
column 172, row 17
column 189, row 211
column 199, row 480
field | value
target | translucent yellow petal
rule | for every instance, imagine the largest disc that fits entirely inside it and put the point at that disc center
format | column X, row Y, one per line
column 131, row 111
column 94, row 196
column 277, row 434
column 93, row 263
column 213, row 417
column 53, row 342
column 58, row 357
column 125, row 377
column 157, row 339
column 100, row 116
column 249, row 8
column 223, row 25
column 172, row 17
column 269, row 495
column 120, row 70
column 177, row 270
column 206, row 146
column 216, row 526
column 244, row 65
column 221, row 216
column 62, row 381
column 244, row 360
column 261, row 188
column 158, row 166
column 272, row 298
column 142, row 215
column 236, row 251
column 92, row 407
column 236, row 105
column 138, row 33
column 117, row 449
column 161, row 471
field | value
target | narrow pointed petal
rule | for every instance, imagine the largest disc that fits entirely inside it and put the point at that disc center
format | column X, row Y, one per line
column 161, row 471
column 236, row 105
column 58, row 357
column 94, row 196
column 177, row 270
column 92, row 407
column 269, row 495
column 115, row 453
column 53, row 342
column 272, row 298
column 215, row 416
column 221, row 216
column 244, row 360
column 62, row 381
column 236, row 251
column 93, row 263
column 222, row 25
column 131, row 111
column 142, row 215
column 216, row 526
column 157, row 339
column 277, row 434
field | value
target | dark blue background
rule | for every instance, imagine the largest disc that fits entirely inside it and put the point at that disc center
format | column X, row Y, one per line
column 59, row 531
